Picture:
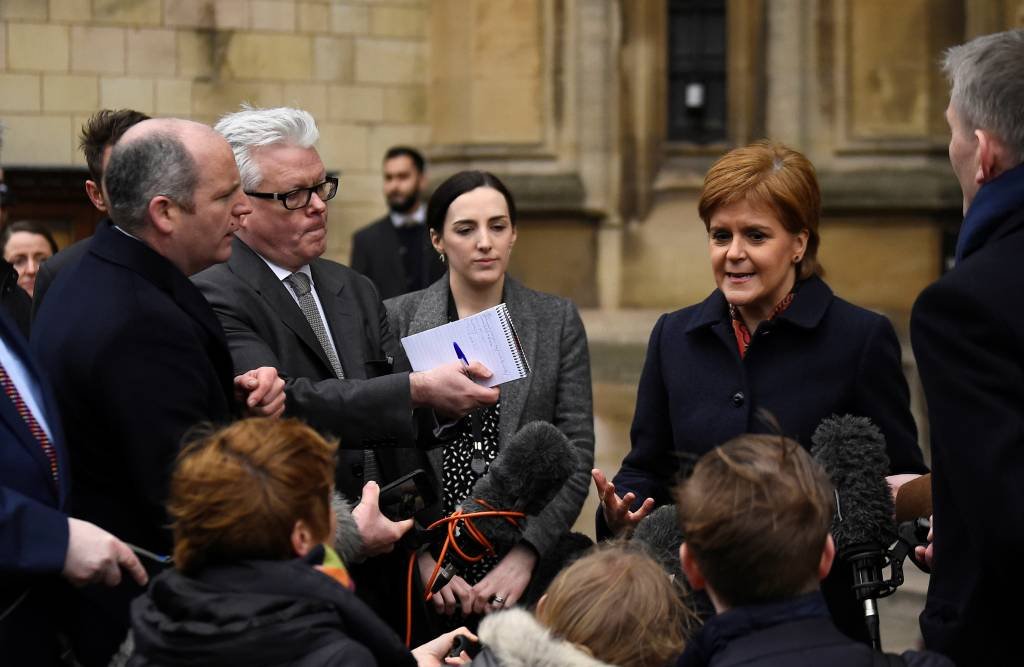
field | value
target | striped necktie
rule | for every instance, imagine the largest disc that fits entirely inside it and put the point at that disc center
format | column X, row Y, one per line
column 303, row 289
column 33, row 425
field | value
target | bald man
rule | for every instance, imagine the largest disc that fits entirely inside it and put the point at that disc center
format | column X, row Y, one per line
column 135, row 353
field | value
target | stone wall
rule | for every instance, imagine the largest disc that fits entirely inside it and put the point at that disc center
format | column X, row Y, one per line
column 359, row 67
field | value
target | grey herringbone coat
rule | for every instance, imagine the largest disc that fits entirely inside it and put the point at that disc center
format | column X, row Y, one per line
column 557, row 390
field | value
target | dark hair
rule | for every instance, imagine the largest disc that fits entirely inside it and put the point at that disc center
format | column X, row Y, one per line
column 30, row 226
column 756, row 514
column 145, row 167
column 458, row 185
column 409, row 152
column 103, row 129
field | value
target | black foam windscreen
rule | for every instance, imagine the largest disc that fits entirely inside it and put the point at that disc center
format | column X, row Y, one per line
column 661, row 536
column 852, row 451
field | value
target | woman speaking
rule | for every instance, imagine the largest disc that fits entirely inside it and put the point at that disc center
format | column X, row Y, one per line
column 472, row 223
column 772, row 336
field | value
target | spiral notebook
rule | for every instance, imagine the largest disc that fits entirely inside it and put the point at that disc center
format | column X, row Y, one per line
column 488, row 337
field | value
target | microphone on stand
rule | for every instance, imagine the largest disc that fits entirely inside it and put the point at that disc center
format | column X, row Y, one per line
column 852, row 452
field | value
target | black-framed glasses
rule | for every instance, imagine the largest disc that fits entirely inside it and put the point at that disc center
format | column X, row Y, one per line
column 300, row 197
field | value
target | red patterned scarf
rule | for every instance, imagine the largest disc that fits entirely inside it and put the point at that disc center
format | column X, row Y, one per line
column 739, row 327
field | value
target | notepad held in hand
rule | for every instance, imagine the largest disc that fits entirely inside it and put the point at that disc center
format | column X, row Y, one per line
column 488, row 337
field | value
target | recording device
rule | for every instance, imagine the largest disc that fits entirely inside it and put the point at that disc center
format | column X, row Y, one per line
column 407, row 495
column 464, row 643
column 525, row 477
column 852, row 451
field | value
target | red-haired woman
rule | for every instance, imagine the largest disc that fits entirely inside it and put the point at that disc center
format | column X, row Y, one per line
column 772, row 336
column 253, row 582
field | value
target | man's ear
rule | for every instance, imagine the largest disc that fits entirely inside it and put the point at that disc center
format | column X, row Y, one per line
column 690, row 568
column 164, row 214
column 828, row 554
column 991, row 157
column 95, row 194
column 302, row 538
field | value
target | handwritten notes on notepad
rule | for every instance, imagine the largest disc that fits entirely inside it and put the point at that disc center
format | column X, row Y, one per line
column 488, row 337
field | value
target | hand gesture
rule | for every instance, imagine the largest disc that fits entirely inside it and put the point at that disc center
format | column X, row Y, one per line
column 450, row 389
column 616, row 510
column 454, row 593
column 378, row 532
column 94, row 555
column 261, row 391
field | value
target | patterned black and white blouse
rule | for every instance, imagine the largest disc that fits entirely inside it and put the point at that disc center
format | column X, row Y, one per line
column 459, row 476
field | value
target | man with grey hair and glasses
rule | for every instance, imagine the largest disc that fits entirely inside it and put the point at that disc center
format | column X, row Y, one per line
column 968, row 336
column 137, row 356
column 322, row 325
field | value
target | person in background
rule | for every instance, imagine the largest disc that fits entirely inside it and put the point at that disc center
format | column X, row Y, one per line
column 966, row 330
column 253, row 580
column 97, row 139
column 395, row 252
column 613, row 606
column 472, row 222
column 771, row 337
column 755, row 515
column 14, row 300
column 27, row 244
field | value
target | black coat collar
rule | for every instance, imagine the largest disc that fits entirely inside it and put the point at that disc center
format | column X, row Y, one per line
column 807, row 310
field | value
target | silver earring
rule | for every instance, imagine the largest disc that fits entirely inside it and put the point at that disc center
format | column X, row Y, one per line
column 442, row 257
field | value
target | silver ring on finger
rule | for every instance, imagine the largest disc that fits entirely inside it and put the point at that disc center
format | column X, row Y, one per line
column 498, row 601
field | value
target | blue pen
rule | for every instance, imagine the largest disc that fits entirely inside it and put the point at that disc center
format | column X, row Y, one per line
column 459, row 354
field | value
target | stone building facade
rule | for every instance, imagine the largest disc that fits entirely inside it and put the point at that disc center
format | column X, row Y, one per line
column 566, row 99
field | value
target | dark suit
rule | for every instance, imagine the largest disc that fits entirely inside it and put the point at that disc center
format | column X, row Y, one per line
column 967, row 335
column 49, row 269
column 372, row 406
column 138, row 358
column 33, row 525
column 821, row 356
column 376, row 253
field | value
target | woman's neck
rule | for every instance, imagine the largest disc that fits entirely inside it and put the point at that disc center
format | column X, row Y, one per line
column 755, row 313
column 472, row 299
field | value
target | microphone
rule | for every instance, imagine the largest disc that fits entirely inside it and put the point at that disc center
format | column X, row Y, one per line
column 852, row 452
column 524, row 477
column 660, row 535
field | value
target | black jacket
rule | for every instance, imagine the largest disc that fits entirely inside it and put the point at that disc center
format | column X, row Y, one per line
column 16, row 302
column 137, row 359
column 259, row 613
column 968, row 333
column 376, row 253
column 819, row 357
column 792, row 633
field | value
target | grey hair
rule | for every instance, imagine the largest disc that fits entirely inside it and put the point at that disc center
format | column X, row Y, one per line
column 987, row 82
column 140, row 169
column 253, row 127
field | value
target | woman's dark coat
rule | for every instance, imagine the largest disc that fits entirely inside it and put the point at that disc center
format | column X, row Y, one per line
column 819, row 357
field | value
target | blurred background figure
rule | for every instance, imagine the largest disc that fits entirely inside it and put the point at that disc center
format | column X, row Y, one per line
column 613, row 606
column 26, row 245
column 395, row 252
column 254, row 581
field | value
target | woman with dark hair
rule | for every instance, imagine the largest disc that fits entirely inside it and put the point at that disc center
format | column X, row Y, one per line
column 771, row 337
column 253, row 581
column 26, row 245
column 472, row 223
